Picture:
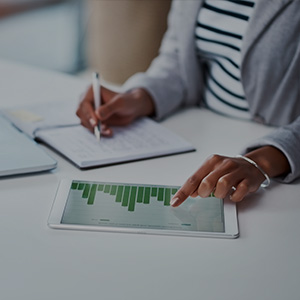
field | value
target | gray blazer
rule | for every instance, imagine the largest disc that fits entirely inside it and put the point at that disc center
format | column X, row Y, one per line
column 270, row 71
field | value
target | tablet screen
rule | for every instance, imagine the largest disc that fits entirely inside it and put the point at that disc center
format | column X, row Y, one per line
column 140, row 206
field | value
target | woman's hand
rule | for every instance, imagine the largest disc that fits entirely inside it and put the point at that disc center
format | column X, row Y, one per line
column 232, row 176
column 117, row 109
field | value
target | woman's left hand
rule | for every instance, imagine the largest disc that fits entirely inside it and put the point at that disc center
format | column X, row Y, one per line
column 232, row 176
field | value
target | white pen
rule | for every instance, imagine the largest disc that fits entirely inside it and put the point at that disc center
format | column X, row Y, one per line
column 97, row 102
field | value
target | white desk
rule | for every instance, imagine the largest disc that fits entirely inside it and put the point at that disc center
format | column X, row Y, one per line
column 39, row 263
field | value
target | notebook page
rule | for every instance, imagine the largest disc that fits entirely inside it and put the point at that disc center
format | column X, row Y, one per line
column 144, row 138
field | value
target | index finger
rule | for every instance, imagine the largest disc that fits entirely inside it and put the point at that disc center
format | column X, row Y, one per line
column 185, row 191
column 193, row 182
column 85, row 111
column 189, row 187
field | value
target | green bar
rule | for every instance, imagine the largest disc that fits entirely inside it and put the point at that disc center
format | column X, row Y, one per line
column 80, row 186
column 160, row 196
column 100, row 187
column 132, row 198
column 74, row 185
column 113, row 190
column 147, row 195
column 167, row 197
column 86, row 191
column 92, row 194
column 140, row 194
column 119, row 193
column 126, row 196
column 154, row 192
column 107, row 188
column 174, row 191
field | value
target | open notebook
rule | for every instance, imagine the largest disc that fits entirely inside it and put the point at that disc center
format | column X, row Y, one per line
column 19, row 154
column 56, row 124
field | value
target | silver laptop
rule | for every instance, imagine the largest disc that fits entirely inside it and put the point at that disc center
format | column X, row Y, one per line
column 19, row 154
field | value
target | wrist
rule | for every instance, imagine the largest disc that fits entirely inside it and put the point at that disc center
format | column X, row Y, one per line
column 144, row 101
column 271, row 160
column 266, row 182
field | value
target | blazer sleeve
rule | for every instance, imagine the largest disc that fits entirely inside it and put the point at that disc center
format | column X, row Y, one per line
column 163, row 79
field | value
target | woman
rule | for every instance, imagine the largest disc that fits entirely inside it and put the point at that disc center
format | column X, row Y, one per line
column 238, row 58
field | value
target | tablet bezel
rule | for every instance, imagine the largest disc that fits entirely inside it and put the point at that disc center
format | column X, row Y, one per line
column 61, row 197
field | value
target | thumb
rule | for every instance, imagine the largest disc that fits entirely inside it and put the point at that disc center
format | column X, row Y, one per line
column 114, row 106
column 107, row 94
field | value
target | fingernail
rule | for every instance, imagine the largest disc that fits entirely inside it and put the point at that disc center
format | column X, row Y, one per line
column 106, row 132
column 174, row 201
column 92, row 122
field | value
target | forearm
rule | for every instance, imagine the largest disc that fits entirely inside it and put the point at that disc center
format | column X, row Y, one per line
column 163, row 79
column 271, row 160
column 287, row 140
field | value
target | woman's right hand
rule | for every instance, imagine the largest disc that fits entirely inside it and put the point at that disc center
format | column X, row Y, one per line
column 117, row 109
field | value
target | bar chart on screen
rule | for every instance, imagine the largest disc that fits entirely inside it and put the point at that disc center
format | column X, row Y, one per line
column 127, row 195
column 137, row 206
column 115, row 204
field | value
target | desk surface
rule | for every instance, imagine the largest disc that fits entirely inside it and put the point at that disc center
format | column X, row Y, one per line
column 37, row 262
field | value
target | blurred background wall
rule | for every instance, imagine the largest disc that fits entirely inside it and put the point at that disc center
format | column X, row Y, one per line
column 49, row 35
column 124, row 35
column 116, row 37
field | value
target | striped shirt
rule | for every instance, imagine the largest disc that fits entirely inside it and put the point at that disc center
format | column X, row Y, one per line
column 221, row 25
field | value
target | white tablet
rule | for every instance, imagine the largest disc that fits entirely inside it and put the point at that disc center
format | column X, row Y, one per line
column 139, row 208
